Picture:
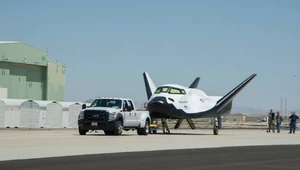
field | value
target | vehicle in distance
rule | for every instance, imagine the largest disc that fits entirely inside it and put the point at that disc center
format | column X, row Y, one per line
column 113, row 115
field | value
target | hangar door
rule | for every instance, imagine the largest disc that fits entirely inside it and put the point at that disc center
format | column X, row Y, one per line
column 34, row 83
column 30, row 114
column 26, row 82
column 17, row 81
column 4, row 74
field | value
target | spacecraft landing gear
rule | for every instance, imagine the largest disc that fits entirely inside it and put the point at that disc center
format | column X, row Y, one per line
column 215, row 126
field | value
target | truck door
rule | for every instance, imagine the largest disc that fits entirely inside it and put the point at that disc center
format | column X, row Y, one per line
column 128, row 115
column 136, row 115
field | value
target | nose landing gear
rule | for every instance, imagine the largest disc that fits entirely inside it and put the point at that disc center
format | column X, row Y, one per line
column 165, row 126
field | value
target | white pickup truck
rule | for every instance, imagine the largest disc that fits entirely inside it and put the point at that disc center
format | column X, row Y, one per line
column 113, row 115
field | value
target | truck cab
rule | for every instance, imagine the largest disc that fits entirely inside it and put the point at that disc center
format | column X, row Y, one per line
column 113, row 115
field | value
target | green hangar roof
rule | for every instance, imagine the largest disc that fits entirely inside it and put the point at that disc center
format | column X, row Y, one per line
column 19, row 52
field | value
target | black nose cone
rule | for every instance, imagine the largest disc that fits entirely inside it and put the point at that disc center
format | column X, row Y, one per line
column 158, row 104
column 158, row 100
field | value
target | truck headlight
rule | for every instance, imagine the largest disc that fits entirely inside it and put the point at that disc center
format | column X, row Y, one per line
column 81, row 116
column 112, row 115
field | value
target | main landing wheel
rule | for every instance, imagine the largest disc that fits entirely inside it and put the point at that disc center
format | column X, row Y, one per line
column 215, row 127
column 216, row 130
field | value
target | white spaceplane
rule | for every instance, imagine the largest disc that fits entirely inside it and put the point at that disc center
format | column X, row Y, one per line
column 173, row 101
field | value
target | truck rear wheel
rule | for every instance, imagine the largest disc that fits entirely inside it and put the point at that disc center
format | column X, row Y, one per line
column 145, row 130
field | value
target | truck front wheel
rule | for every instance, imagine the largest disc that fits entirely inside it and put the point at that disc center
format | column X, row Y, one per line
column 118, row 128
column 108, row 132
column 81, row 131
column 145, row 130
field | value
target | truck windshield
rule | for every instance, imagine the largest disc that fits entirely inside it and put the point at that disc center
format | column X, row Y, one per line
column 115, row 103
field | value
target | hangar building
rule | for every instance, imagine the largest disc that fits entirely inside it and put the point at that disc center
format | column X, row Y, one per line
column 27, row 73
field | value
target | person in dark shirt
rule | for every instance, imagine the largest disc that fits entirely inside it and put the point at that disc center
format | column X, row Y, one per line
column 271, row 121
column 293, row 122
column 279, row 120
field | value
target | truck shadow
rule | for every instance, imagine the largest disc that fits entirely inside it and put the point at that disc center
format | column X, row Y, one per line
column 110, row 135
column 102, row 134
column 190, row 134
column 157, row 134
column 152, row 134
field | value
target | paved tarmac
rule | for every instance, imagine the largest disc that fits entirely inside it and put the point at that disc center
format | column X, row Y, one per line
column 245, row 158
column 26, row 144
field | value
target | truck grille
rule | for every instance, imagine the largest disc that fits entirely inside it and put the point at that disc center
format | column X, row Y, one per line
column 100, row 115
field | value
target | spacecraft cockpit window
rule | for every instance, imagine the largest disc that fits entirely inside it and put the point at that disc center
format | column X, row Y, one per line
column 162, row 90
column 174, row 90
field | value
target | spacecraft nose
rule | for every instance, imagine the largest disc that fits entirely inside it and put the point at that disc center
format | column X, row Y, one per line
column 157, row 101
column 158, row 104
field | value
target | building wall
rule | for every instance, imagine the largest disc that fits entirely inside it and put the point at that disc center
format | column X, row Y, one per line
column 27, row 73
column 254, row 118
column 235, row 118
column 56, row 82
column 3, row 93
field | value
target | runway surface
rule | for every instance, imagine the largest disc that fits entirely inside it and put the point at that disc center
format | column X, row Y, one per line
column 246, row 158
column 24, row 144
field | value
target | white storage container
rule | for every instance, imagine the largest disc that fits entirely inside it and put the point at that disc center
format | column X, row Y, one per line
column 29, row 114
column 74, row 111
column 12, row 112
column 54, row 115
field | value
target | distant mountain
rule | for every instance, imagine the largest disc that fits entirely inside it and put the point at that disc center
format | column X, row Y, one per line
column 89, row 101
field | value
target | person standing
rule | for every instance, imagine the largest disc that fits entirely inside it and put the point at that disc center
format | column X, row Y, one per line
column 293, row 122
column 278, row 119
column 271, row 119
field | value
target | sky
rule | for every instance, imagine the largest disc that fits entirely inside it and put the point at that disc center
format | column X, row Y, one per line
column 107, row 45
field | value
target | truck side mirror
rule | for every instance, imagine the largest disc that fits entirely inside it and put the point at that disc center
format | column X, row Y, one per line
column 84, row 106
